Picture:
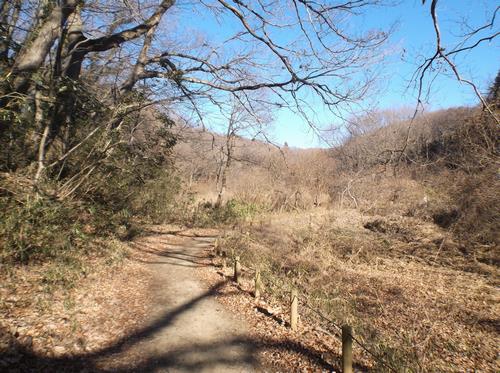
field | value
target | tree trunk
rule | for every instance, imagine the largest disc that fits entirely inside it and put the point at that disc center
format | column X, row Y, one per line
column 9, row 22
column 222, row 185
column 141, row 62
column 226, row 163
column 33, row 54
column 43, row 139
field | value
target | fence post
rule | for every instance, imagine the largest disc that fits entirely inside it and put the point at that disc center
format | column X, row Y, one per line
column 346, row 349
column 237, row 269
column 294, row 313
column 258, row 284
column 216, row 247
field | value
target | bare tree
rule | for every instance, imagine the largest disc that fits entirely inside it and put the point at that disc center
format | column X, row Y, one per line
column 240, row 122
column 445, row 56
column 50, row 45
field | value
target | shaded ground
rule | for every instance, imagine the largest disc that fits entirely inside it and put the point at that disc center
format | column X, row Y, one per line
column 186, row 330
column 411, row 293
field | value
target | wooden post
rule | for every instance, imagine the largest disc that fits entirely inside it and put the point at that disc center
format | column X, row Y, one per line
column 237, row 269
column 347, row 349
column 258, row 284
column 216, row 247
column 294, row 313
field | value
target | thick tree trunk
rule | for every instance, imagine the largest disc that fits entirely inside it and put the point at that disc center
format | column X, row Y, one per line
column 63, row 117
column 33, row 54
column 72, row 64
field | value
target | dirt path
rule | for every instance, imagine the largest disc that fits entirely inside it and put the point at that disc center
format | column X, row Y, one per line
column 188, row 331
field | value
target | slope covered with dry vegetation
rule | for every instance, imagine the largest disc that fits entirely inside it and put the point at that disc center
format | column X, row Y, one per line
column 102, row 105
column 403, row 245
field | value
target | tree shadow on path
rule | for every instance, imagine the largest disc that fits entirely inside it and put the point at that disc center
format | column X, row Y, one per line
column 207, row 354
column 192, row 356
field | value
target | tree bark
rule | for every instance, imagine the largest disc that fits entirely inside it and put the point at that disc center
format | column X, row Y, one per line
column 228, row 156
column 138, row 70
column 9, row 22
column 43, row 140
column 83, row 46
column 33, row 54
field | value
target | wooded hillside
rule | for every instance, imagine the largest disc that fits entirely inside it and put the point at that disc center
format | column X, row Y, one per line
column 118, row 116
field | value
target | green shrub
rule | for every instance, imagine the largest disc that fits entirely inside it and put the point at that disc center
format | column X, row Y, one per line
column 242, row 209
column 37, row 229
column 161, row 200
column 207, row 214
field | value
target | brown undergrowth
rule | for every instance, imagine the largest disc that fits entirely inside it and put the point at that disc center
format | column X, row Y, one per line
column 279, row 349
column 414, row 297
column 58, row 320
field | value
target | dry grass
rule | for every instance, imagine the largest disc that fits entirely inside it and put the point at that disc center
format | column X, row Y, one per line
column 420, row 303
column 52, row 319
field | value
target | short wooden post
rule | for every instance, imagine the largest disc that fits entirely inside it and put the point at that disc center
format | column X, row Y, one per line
column 237, row 270
column 258, row 284
column 294, row 313
column 347, row 349
column 216, row 247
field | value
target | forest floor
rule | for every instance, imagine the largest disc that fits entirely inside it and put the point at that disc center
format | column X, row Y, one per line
column 169, row 307
column 172, row 306
column 187, row 329
column 157, row 317
column 414, row 295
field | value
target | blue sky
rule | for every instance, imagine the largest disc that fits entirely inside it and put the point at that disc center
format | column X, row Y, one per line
column 412, row 39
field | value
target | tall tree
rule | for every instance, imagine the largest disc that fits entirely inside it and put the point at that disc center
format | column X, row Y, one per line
column 151, row 54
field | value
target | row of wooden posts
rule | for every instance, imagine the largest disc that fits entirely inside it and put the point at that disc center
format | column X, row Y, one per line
column 294, row 314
